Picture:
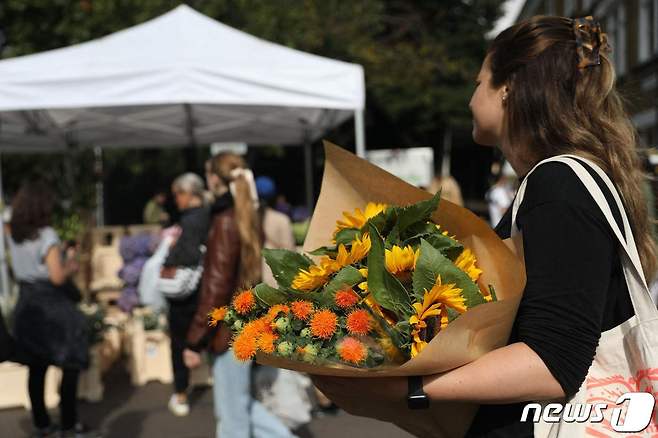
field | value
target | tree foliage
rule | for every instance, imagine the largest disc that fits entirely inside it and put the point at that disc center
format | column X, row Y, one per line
column 420, row 57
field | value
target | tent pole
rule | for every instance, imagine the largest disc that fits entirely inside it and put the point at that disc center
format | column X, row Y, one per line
column 360, row 133
column 100, row 201
column 447, row 151
column 308, row 172
column 4, row 278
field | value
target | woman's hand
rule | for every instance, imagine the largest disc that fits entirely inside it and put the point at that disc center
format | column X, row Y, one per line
column 191, row 358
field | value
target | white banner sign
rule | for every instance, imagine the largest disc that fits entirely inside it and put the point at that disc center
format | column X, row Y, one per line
column 413, row 165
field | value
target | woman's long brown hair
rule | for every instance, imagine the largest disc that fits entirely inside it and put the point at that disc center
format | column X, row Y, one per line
column 31, row 210
column 556, row 108
column 246, row 217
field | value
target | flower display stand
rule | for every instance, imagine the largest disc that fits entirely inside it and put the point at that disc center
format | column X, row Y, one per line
column 149, row 352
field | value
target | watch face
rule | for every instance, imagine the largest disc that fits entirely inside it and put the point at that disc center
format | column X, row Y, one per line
column 418, row 401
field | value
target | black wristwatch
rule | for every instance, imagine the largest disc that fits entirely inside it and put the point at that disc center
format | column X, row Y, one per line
column 416, row 397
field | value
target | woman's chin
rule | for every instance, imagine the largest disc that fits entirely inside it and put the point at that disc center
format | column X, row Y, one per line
column 483, row 139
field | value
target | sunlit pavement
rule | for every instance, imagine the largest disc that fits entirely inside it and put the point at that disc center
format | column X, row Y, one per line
column 140, row 412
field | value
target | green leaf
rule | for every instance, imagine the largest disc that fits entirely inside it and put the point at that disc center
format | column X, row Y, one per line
column 285, row 264
column 447, row 246
column 269, row 295
column 346, row 236
column 419, row 212
column 492, row 291
column 346, row 277
column 431, row 264
column 383, row 221
column 325, row 251
column 385, row 288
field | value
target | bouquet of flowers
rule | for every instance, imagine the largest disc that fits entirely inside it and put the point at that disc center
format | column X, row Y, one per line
column 399, row 286
column 389, row 283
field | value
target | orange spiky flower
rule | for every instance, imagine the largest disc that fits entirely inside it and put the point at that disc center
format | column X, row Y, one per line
column 359, row 322
column 352, row 350
column 302, row 309
column 244, row 302
column 346, row 298
column 265, row 342
column 244, row 347
column 217, row 315
column 323, row 324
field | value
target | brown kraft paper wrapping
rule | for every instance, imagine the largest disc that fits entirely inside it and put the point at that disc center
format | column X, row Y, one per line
column 350, row 182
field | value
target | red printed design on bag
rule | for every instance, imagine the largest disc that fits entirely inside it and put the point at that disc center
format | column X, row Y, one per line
column 608, row 390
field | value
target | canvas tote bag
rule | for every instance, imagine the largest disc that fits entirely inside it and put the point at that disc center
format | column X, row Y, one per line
column 626, row 359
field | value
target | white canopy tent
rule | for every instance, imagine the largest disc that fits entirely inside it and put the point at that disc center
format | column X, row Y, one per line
column 179, row 79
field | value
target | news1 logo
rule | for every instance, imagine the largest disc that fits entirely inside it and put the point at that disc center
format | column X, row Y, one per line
column 639, row 412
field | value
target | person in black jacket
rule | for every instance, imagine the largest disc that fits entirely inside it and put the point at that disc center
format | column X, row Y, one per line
column 188, row 191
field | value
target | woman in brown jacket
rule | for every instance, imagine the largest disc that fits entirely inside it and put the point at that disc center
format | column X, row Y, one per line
column 232, row 261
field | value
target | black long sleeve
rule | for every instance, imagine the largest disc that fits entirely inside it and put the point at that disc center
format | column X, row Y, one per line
column 575, row 287
column 194, row 225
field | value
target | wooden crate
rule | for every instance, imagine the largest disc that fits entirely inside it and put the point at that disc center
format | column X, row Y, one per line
column 13, row 381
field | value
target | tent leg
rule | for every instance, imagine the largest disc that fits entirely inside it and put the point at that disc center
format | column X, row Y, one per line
column 360, row 133
column 447, row 150
column 308, row 173
column 100, row 201
column 4, row 278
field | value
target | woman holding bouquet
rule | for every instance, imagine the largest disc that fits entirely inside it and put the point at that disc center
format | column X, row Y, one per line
column 233, row 260
column 546, row 88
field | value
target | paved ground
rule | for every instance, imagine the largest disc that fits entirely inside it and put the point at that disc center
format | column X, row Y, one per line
column 130, row 412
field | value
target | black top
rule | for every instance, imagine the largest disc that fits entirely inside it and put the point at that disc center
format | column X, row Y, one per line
column 575, row 286
column 194, row 223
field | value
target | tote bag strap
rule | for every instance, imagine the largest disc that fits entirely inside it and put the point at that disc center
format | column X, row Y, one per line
column 640, row 296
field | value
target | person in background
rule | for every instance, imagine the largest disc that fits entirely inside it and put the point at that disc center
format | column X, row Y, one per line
column 285, row 393
column 500, row 196
column 277, row 228
column 48, row 328
column 449, row 189
column 154, row 211
column 188, row 191
column 233, row 260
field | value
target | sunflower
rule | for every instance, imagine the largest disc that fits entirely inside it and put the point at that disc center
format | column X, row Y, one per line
column 401, row 261
column 217, row 315
column 323, row 324
column 359, row 322
column 359, row 249
column 244, row 302
column 352, row 350
column 435, row 304
column 358, row 219
column 466, row 262
column 316, row 275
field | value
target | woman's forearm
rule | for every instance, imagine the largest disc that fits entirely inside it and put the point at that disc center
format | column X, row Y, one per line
column 511, row 374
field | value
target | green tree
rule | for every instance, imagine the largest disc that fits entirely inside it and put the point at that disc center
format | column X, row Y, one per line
column 420, row 57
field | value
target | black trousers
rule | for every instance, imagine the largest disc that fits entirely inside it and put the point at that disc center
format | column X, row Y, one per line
column 181, row 314
column 67, row 392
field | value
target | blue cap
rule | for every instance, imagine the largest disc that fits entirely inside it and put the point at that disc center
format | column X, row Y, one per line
column 265, row 187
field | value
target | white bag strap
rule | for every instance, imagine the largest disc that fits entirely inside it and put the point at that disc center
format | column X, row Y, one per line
column 640, row 296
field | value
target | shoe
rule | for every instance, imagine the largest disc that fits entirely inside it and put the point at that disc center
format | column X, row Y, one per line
column 178, row 408
column 79, row 431
column 45, row 432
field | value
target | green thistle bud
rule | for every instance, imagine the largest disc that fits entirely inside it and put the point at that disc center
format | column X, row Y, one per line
column 282, row 324
column 306, row 333
column 310, row 353
column 237, row 325
column 285, row 348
